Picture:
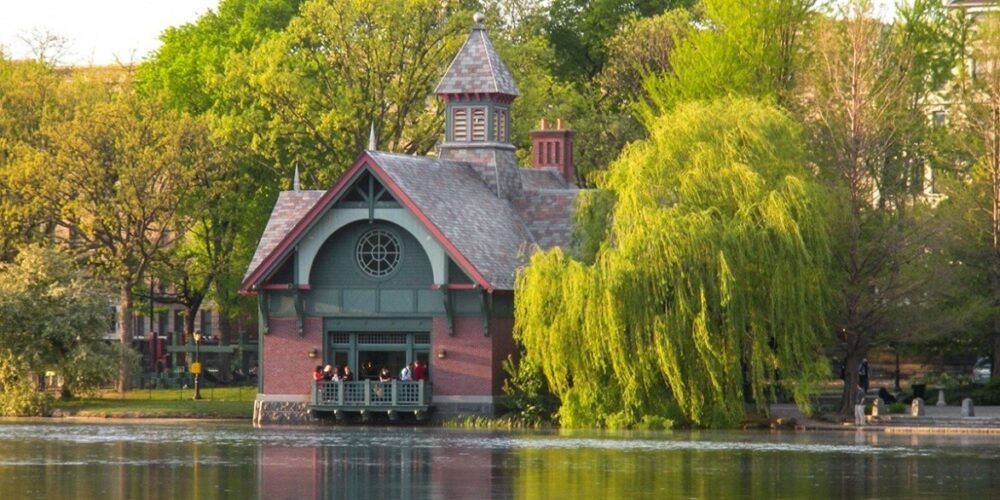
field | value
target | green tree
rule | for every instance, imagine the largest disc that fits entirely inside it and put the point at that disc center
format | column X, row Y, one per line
column 112, row 179
column 979, row 115
column 341, row 67
column 31, row 94
column 854, row 97
column 53, row 317
column 188, row 70
column 748, row 48
column 709, row 283
column 229, row 201
column 579, row 30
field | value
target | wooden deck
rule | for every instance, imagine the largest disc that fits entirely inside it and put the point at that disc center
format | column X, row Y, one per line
column 371, row 396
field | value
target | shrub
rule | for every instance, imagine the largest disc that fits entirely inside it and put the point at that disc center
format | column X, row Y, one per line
column 528, row 396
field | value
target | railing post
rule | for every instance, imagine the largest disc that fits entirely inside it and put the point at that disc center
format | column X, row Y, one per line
column 420, row 391
column 394, row 393
column 368, row 392
column 315, row 392
column 340, row 392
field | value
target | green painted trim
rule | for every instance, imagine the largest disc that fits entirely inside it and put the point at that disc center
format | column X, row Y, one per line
column 338, row 218
column 300, row 316
column 449, row 314
column 263, row 313
column 486, row 309
column 409, row 324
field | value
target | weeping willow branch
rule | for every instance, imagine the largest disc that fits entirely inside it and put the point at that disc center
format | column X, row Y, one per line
column 707, row 287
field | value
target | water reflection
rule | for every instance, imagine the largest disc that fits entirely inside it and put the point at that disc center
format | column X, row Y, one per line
column 44, row 460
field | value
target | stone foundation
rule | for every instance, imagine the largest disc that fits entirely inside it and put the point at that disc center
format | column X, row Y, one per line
column 288, row 411
column 267, row 412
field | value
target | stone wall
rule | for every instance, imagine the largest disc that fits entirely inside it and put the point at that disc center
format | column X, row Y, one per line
column 282, row 413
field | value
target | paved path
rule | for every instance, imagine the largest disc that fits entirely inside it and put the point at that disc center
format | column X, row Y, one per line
column 936, row 419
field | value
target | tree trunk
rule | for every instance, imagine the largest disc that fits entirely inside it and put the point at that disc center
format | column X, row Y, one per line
column 851, row 362
column 995, row 334
column 225, row 359
column 124, row 333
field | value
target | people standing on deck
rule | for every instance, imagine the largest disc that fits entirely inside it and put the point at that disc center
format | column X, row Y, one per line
column 327, row 372
column 406, row 374
column 384, row 375
column 318, row 374
column 863, row 373
column 346, row 374
column 419, row 371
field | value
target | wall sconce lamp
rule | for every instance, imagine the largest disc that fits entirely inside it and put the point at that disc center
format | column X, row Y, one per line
column 312, row 352
column 442, row 354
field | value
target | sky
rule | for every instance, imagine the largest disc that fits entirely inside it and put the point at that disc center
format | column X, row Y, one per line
column 100, row 32
column 97, row 32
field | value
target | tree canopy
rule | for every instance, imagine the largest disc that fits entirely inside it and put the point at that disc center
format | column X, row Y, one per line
column 709, row 284
column 52, row 318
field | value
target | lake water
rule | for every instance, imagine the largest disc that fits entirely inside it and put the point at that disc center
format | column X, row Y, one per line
column 197, row 460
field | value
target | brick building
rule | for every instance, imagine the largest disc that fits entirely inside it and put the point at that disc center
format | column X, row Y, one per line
column 411, row 258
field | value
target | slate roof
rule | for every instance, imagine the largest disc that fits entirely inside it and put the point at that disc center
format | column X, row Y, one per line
column 485, row 229
column 288, row 210
column 477, row 69
column 493, row 235
column 542, row 178
column 548, row 215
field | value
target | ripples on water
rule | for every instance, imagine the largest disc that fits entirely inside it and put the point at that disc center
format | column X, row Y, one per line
column 237, row 435
column 172, row 460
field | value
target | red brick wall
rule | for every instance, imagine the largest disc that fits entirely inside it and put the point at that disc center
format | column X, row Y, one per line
column 472, row 364
column 471, row 367
column 287, row 366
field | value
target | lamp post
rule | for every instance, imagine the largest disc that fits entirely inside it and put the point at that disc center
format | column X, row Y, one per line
column 196, row 366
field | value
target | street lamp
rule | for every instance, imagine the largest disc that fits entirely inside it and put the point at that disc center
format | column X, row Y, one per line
column 196, row 366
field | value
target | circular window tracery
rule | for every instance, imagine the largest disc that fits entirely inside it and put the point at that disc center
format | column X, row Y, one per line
column 378, row 253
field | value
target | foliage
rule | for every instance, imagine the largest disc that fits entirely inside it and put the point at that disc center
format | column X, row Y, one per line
column 528, row 398
column 642, row 46
column 591, row 221
column 711, row 276
column 113, row 179
column 981, row 116
column 187, row 71
column 748, row 48
column 229, row 201
column 341, row 67
column 31, row 94
column 865, row 138
column 52, row 318
column 579, row 31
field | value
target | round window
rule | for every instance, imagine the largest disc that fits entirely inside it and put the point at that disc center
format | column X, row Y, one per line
column 378, row 253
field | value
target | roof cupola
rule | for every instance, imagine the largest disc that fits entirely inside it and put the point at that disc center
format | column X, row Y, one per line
column 478, row 90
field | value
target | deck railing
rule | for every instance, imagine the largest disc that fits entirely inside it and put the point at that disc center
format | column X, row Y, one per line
column 370, row 394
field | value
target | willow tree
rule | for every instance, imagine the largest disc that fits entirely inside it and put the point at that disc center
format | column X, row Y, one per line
column 708, row 286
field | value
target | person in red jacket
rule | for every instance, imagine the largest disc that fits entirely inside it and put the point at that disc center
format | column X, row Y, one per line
column 419, row 370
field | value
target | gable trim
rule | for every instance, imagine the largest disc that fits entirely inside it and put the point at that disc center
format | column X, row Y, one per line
column 290, row 240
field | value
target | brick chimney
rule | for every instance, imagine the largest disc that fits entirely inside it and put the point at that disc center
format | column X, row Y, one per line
column 553, row 148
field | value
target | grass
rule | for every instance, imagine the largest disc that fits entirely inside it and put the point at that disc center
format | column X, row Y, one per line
column 217, row 402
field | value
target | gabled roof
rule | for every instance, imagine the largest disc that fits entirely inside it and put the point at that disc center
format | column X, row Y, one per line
column 483, row 234
column 287, row 211
column 483, row 228
column 477, row 69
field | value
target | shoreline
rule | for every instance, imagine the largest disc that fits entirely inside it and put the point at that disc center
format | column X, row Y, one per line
column 805, row 425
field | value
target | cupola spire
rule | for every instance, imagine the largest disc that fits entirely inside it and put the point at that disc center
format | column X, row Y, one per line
column 478, row 90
